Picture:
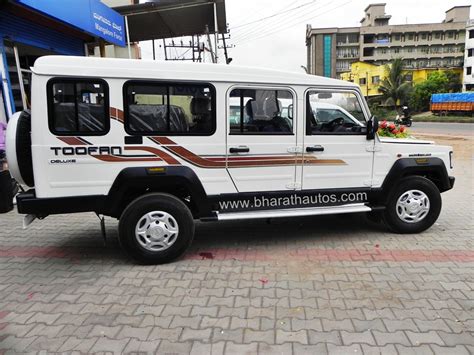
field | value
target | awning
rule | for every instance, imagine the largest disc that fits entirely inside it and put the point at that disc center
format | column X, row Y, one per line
column 90, row 16
column 173, row 18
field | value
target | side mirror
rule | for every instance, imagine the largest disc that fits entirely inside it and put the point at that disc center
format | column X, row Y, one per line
column 372, row 128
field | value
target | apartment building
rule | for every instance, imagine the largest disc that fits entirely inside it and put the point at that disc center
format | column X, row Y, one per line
column 331, row 51
column 468, row 74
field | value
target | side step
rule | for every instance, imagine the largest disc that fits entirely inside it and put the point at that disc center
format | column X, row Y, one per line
column 294, row 212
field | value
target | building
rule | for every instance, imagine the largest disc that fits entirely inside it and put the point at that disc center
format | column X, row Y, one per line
column 468, row 75
column 331, row 51
column 112, row 50
column 30, row 29
column 369, row 76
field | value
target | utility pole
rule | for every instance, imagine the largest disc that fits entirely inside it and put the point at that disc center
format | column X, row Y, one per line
column 213, row 56
column 367, row 83
column 225, row 47
column 192, row 46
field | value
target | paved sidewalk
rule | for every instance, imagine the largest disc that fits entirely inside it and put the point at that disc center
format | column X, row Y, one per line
column 333, row 284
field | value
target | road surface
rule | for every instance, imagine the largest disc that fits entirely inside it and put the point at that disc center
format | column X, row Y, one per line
column 451, row 128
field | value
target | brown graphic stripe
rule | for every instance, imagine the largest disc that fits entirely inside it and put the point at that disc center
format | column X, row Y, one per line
column 241, row 161
column 72, row 140
column 116, row 114
column 163, row 140
column 163, row 155
column 114, row 158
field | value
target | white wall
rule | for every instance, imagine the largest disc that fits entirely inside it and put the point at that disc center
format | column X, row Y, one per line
column 468, row 61
column 112, row 3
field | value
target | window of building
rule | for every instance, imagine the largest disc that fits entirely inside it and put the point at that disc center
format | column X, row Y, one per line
column 470, row 52
column 327, row 47
column 450, row 34
column 376, row 79
column 78, row 107
column 468, row 70
column 334, row 113
column 424, row 36
column 409, row 77
column 471, row 33
column 362, row 81
column 437, row 35
column 397, row 37
column 261, row 111
column 411, row 36
column 169, row 108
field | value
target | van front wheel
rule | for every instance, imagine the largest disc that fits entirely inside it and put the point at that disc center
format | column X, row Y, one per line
column 413, row 205
column 156, row 228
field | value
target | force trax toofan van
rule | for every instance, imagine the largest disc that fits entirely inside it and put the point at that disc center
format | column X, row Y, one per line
column 160, row 145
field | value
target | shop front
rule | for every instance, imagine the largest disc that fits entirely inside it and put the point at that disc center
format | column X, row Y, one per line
column 32, row 28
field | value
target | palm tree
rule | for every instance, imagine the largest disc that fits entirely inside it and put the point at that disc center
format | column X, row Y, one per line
column 394, row 87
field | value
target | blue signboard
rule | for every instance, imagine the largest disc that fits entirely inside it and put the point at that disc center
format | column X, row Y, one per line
column 91, row 16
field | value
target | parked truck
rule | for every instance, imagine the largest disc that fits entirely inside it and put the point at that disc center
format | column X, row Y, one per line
column 452, row 102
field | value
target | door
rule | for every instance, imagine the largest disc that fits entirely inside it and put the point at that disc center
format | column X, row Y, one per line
column 261, row 139
column 337, row 153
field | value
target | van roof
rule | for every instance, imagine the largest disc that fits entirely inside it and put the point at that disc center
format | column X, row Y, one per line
column 168, row 70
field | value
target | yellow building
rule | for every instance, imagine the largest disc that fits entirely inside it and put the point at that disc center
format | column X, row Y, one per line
column 369, row 76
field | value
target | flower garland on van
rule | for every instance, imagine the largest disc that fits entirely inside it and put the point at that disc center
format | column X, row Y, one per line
column 392, row 130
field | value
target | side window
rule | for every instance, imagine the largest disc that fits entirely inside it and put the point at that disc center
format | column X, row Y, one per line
column 334, row 113
column 171, row 109
column 260, row 111
column 78, row 107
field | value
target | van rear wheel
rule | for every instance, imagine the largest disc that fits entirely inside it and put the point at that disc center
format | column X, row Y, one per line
column 156, row 228
column 413, row 205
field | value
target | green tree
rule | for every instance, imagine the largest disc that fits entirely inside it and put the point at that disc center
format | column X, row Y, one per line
column 454, row 81
column 437, row 82
column 394, row 88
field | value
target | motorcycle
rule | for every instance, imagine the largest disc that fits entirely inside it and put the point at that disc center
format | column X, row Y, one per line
column 404, row 118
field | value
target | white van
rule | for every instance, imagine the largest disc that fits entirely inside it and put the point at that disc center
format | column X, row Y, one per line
column 161, row 144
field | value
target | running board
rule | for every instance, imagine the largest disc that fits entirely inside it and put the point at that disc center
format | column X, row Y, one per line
column 294, row 212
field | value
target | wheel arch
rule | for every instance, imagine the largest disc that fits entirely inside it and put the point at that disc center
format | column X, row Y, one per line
column 179, row 181
column 433, row 169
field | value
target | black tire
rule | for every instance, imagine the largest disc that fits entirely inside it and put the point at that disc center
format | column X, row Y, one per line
column 390, row 216
column 138, row 208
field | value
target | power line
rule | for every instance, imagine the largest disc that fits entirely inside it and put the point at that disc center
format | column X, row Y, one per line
column 275, row 14
column 293, row 24
column 265, row 26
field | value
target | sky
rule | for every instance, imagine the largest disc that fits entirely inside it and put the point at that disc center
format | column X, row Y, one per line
column 271, row 33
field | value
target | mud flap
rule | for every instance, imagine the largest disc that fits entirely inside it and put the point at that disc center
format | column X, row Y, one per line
column 6, row 192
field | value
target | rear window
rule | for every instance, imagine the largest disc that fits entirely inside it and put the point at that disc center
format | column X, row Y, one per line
column 78, row 107
column 169, row 108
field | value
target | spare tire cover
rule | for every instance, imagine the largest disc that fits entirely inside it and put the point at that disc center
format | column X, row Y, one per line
column 23, row 148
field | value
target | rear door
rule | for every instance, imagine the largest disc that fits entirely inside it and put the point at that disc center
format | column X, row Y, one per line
column 261, row 138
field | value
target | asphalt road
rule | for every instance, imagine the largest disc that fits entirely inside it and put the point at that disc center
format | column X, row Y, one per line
column 456, row 129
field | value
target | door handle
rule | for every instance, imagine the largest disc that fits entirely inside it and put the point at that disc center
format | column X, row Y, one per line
column 315, row 148
column 241, row 149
